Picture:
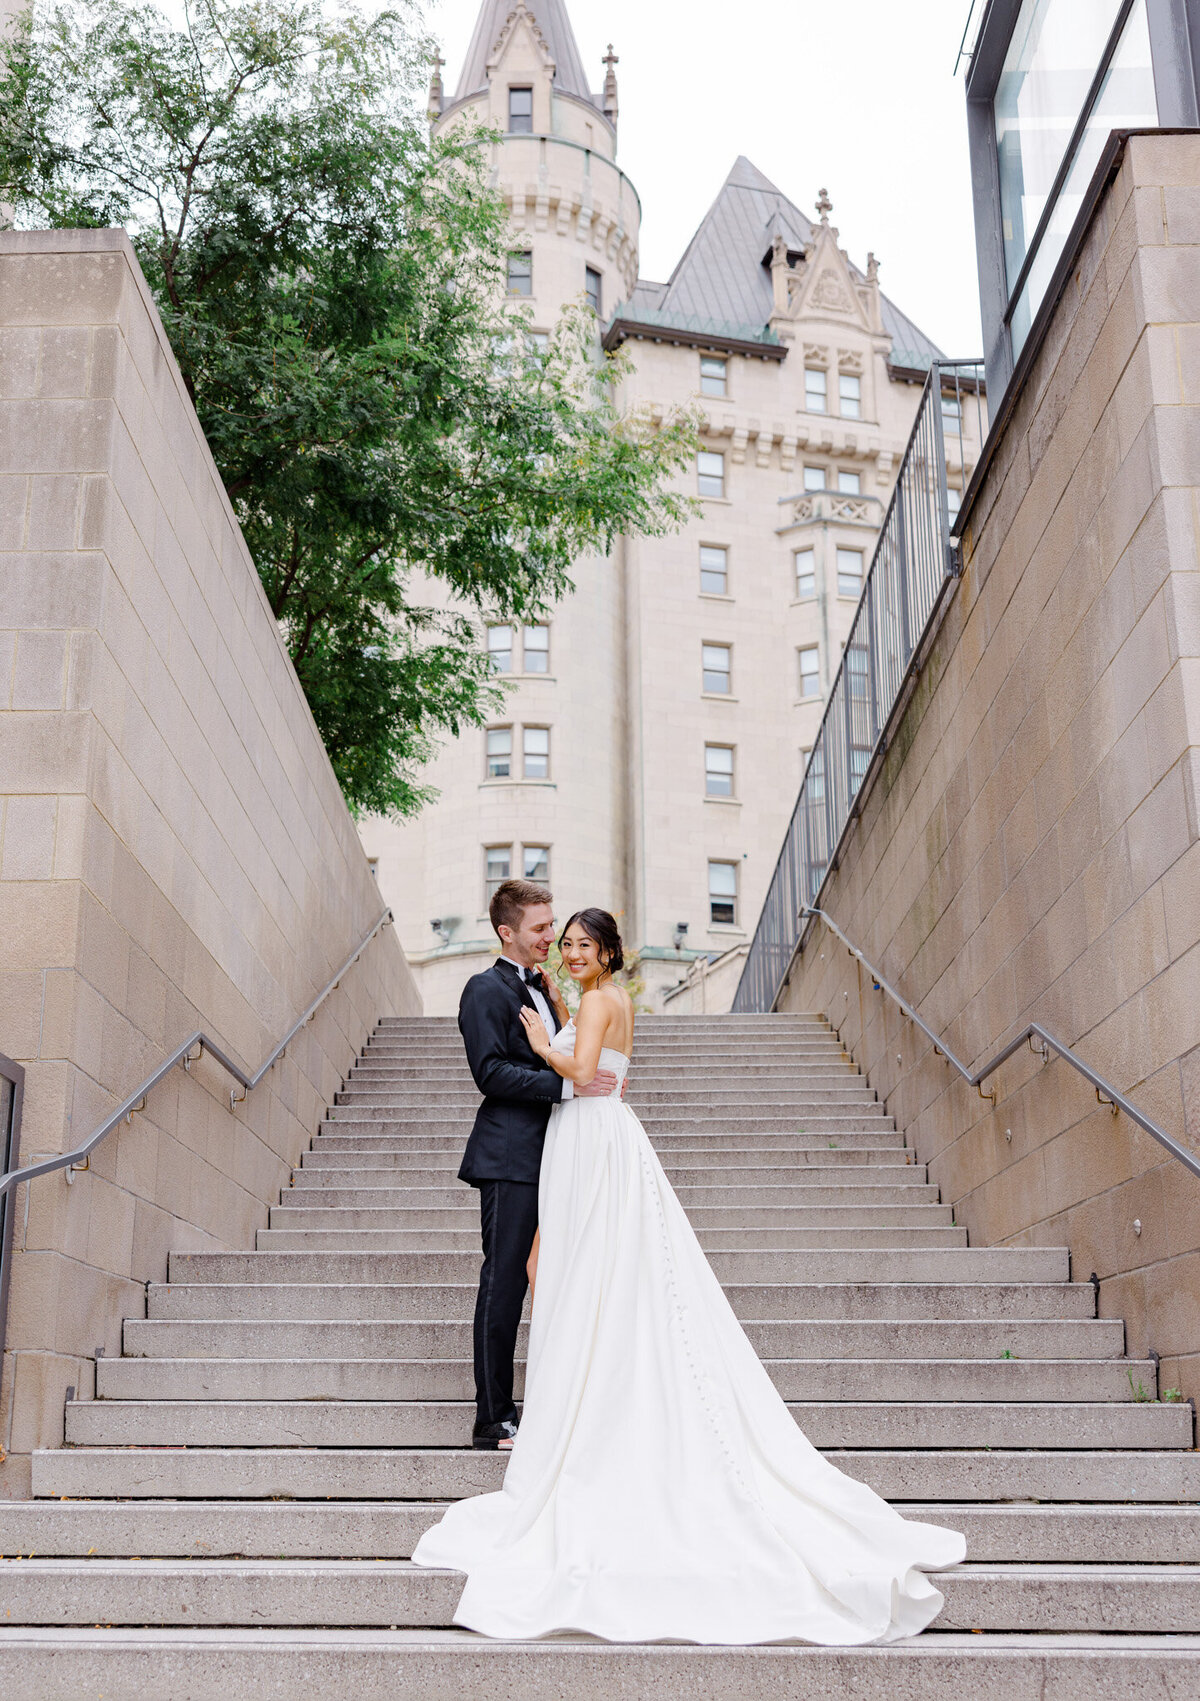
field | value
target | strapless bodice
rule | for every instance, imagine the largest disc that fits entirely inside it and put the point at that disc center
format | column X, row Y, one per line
column 564, row 1041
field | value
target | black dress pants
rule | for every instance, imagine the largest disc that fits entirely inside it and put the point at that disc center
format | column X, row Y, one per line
column 509, row 1218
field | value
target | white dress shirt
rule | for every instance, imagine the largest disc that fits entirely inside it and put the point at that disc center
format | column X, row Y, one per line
column 542, row 1005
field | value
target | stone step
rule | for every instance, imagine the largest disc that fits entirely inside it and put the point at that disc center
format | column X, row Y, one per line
column 965, row 1264
column 713, row 1241
column 876, row 1144
column 837, row 1071
column 419, row 1301
column 343, row 1190
column 330, row 1212
column 452, row 1665
column 241, row 1529
column 875, row 1180
column 385, row 1118
column 259, row 1422
column 274, row 1473
column 808, row 1338
column 1164, row 1599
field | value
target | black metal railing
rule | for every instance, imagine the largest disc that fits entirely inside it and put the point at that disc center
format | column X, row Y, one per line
column 186, row 1053
column 914, row 565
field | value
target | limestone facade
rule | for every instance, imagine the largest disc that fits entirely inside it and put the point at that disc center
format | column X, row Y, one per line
column 807, row 376
column 1030, row 848
column 175, row 853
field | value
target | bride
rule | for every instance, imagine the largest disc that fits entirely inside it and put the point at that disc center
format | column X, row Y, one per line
column 658, row 1486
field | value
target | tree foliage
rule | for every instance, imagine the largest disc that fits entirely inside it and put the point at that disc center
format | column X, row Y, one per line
column 405, row 464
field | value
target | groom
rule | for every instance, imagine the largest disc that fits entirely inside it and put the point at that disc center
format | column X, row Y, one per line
column 504, row 1152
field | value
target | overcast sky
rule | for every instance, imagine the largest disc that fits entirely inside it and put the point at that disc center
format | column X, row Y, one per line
column 858, row 97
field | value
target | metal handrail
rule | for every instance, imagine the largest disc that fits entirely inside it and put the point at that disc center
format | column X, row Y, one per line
column 1106, row 1093
column 77, row 1159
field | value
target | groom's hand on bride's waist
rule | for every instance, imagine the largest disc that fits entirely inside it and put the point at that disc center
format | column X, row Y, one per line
column 599, row 1087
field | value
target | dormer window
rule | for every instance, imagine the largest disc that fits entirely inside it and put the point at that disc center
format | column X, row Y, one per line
column 520, row 112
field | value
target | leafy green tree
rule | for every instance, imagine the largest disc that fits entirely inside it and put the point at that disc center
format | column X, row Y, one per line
column 404, row 463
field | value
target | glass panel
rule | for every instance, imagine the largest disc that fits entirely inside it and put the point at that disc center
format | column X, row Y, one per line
column 815, row 389
column 711, row 470
column 722, row 892
column 520, row 112
column 499, row 752
column 520, row 274
column 500, row 644
column 715, row 658
column 816, row 777
column 1051, row 60
column 537, row 863
column 714, row 569
column 592, row 289
column 814, row 478
column 497, row 867
column 718, row 770
column 712, row 375
column 806, row 573
column 1125, row 100
column 850, row 484
column 850, row 395
column 537, row 649
column 810, row 672
column 849, row 572
column 856, row 671
column 536, row 746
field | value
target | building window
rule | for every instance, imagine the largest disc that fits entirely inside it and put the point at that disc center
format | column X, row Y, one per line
column 520, row 273
column 712, row 375
column 806, row 572
column 536, row 748
column 849, row 395
column 816, row 389
column 849, row 571
column 497, row 867
column 717, row 659
column 535, row 860
column 722, row 894
column 814, row 478
column 953, row 502
column 500, row 648
column 537, row 649
column 952, row 409
column 710, row 467
column 520, row 112
column 718, row 770
column 714, row 570
column 849, row 484
column 856, row 672
column 816, row 777
column 499, row 752
column 591, row 286
column 810, row 671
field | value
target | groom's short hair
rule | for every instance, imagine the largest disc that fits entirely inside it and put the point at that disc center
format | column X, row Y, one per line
column 512, row 898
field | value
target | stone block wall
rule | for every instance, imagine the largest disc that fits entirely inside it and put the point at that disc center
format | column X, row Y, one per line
column 1030, row 849
column 175, row 852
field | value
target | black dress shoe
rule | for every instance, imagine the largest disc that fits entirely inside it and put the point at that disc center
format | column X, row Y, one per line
column 489, row 1437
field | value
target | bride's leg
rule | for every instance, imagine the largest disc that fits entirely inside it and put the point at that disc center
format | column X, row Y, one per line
column 531, row 1266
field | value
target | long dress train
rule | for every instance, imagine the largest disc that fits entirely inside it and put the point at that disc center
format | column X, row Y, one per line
column 659, row 1488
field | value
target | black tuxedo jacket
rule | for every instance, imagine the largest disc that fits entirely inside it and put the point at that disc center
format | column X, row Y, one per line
column 519, row 1088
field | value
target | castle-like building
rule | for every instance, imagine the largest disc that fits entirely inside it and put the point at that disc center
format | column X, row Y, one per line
column 657, row 725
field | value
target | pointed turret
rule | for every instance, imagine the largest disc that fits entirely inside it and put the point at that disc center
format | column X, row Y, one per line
column 554, row 27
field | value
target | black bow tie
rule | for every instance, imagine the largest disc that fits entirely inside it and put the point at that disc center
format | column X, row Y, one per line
column 535, row 978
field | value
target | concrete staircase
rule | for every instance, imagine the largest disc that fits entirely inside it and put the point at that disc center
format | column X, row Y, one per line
column 233, row 1513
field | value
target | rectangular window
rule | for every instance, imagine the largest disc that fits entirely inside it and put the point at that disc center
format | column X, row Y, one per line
column 849, row 571
column 712, row 375
column 816, row 389
column 714, row 570
column 591, row 287
column 806, row 572
column 810, row 671
column 814, row 478
column 537, row 649
column 953, row 501
column 717, row 660
column 722, row 894
column 710, row 468
column 499, row 752
column 520, row 273
column 536, row 747
column 718, row 770
column 520, row 112
column 536, row 863
column 850, row 395
column 849, row 484
column 856, row 672
column 951, row 408
column 497, row 866
column 500, row 648
column 816, row 777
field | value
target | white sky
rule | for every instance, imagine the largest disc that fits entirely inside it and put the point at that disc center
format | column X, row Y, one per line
column 859, row 97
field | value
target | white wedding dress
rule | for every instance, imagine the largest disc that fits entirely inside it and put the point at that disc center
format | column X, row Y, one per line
column 659, row 1488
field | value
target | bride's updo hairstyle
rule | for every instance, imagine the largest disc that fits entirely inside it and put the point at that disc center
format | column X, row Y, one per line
column 601, row 927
